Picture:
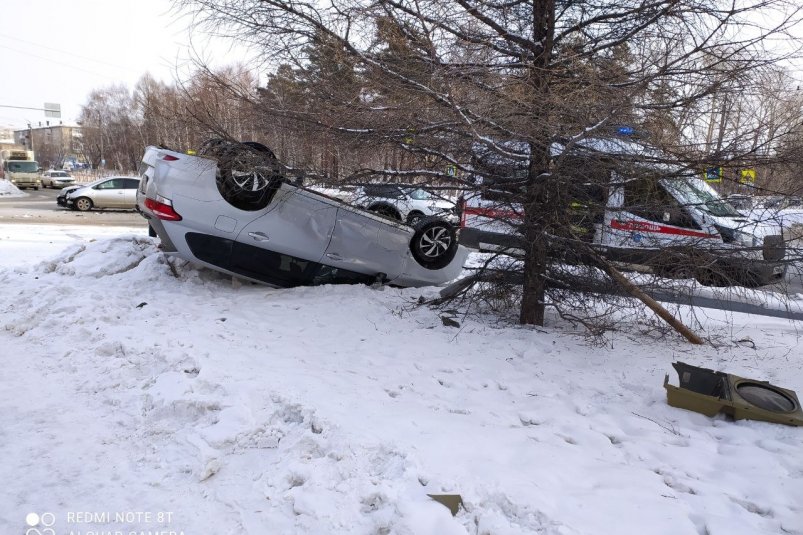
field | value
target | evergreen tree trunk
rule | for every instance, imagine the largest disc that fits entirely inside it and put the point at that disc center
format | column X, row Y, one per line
column 538, row 194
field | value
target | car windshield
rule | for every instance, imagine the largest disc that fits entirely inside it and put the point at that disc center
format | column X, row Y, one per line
column 23, row 166
column 701, row 194
column 420, row 195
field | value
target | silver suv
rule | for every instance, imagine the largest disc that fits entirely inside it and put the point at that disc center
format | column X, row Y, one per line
column 407, row 203
column 231, row 208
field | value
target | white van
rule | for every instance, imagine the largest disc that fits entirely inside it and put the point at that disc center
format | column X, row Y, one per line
column 656, row 219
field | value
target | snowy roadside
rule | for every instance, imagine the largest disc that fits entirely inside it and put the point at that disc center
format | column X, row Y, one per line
column 7, row 189
column 248, row 410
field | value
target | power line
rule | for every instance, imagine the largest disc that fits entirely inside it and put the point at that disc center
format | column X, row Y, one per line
column 58, row 62
column 60, row 51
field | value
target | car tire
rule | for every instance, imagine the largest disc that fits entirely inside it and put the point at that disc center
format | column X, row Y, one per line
column 434, row 243
column 82, row 204
column 248, row 174
column 386, row 211
column 414, row 217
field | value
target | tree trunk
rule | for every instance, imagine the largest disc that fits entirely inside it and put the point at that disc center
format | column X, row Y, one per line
column 537, row 197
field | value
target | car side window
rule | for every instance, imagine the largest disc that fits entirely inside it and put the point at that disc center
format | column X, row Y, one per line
column 130, row 183
column 385, row 191
column 645, row 197
column 109, row 184
column 420, row 195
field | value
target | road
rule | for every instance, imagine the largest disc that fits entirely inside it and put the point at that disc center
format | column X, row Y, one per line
column 40, row 207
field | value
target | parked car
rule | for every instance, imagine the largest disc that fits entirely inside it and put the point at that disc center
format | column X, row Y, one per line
column 784, row 211
column 407, row 203
column 110, row 192
column 231, row 208
column 740, row 201
column 56, row 179
column 658, row 218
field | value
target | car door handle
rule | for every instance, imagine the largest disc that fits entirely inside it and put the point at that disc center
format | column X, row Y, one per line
column 259, row 236
column 334, row 256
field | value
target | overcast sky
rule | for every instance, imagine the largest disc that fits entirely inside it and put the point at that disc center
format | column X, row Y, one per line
column 58, row 51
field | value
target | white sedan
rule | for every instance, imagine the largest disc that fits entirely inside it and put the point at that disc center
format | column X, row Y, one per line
column 110, row 192
column 56, row 179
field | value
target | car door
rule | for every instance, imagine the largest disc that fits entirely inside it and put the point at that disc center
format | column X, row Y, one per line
column 366, row 243
column 296, row 226
column 108, row 194
column 651, row 218
column 129, row 199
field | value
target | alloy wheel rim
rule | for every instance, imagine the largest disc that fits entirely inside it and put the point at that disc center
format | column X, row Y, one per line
column 435, row 241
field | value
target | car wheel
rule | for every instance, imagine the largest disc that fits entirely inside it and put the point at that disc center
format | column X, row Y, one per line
column 36, row 188
column 82, row 204
column 248, row 173
column 386, row 211
column 414, row 217
column 434, row 243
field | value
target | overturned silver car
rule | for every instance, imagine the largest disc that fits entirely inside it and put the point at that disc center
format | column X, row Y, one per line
column 232, row 208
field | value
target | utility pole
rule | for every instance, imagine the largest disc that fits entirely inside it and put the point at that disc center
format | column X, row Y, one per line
column 30, row 137
column 100, row 131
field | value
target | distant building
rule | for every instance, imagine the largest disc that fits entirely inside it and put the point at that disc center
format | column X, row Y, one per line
column 55, row 146
column 7, row 139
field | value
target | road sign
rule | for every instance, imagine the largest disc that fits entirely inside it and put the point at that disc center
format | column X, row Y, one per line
column 52, row 110
column 747, row 175
column 713, row 174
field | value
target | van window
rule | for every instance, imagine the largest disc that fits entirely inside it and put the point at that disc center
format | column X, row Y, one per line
column 704, row 196
column 647, row 198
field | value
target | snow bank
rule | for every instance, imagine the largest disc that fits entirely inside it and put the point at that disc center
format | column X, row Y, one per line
column 131, row 383
column 7, row 189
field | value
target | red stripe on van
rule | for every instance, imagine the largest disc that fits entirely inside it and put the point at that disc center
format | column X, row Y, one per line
column 492, row 213
column 645, row 226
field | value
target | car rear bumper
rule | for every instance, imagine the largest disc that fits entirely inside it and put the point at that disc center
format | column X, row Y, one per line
column 158, row 227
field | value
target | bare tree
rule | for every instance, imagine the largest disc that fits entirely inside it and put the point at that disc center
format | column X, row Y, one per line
column 441, row 80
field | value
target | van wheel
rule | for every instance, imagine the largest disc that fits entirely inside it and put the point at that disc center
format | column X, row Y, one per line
column 710, row 277
column 434, row 243
column 248, row 174
column 82, row 204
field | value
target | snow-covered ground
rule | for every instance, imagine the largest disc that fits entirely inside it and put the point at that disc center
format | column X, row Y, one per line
column 140, row 397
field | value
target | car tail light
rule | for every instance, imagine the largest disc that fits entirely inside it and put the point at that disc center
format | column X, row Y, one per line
column 162, row 208
column 169, row 158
